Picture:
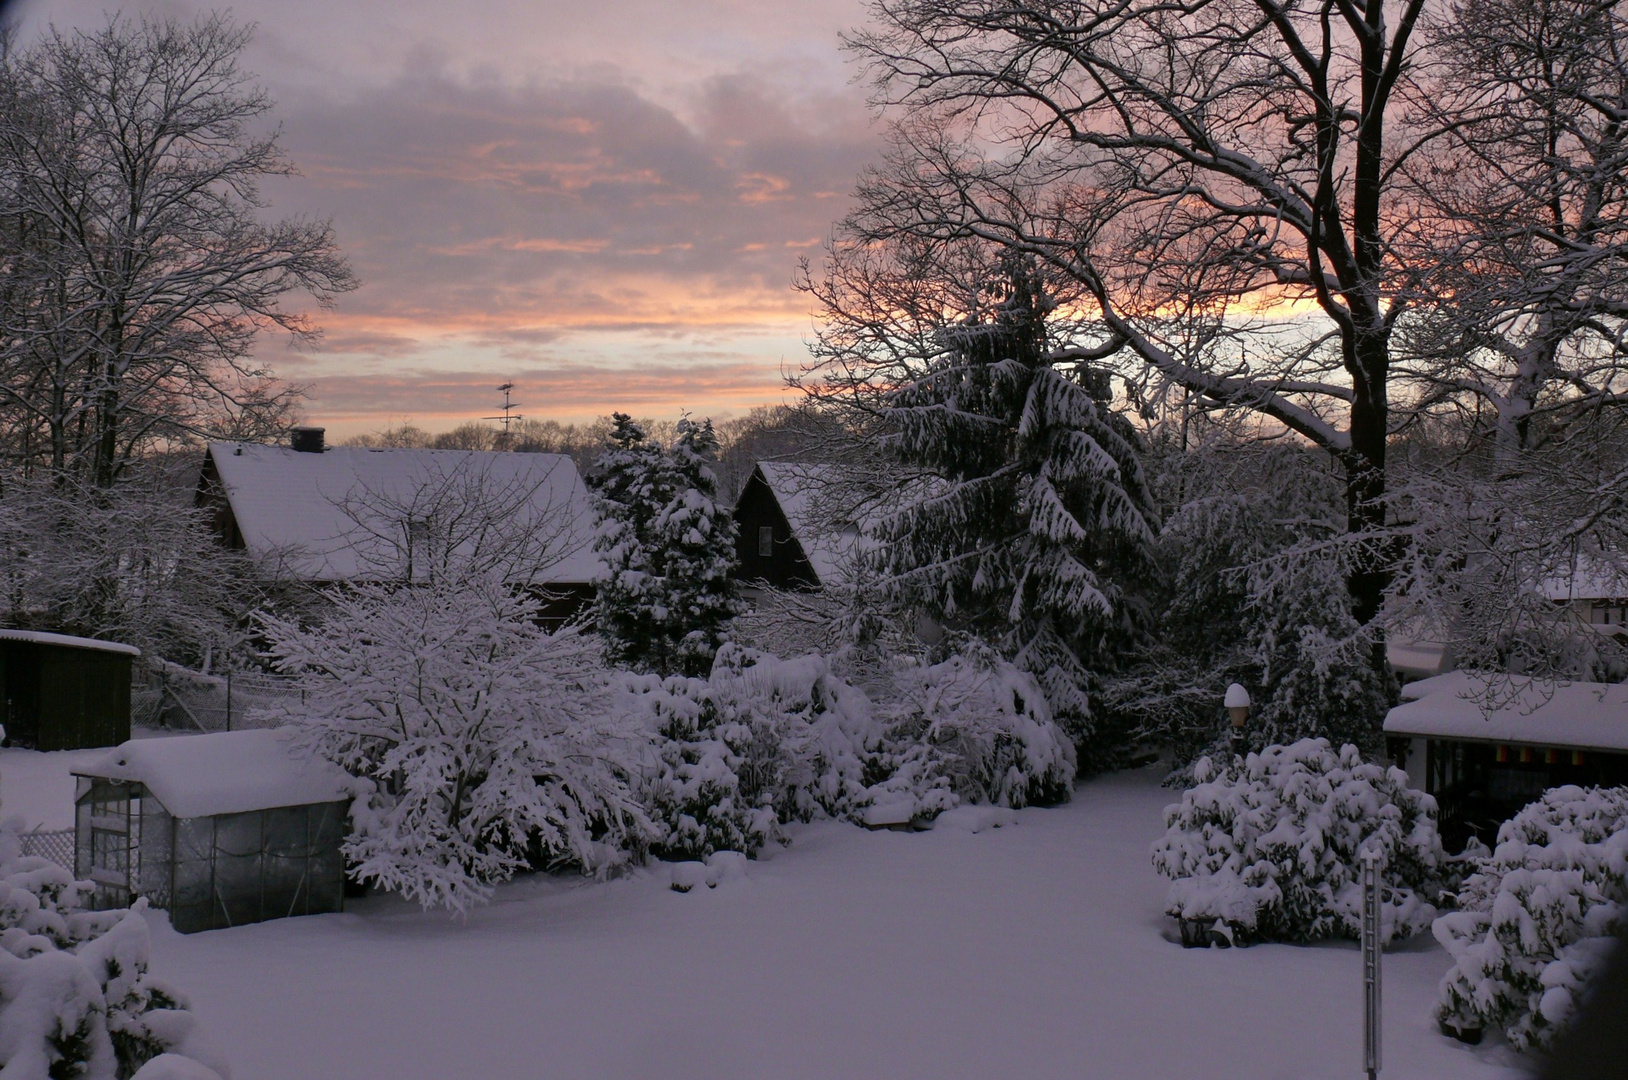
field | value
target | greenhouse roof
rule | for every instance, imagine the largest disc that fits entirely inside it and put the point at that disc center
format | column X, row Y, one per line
column 228, row 772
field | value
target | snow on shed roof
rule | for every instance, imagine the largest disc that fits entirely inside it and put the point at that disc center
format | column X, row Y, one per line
column 320, row 511
column 40, row 637
column 227, row 772
column 1579, row 715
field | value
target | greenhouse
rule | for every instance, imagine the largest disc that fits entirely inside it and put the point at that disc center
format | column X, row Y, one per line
column 219, row 830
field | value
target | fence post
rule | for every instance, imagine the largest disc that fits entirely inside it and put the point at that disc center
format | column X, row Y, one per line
column 1371, row 957
column 228, row 698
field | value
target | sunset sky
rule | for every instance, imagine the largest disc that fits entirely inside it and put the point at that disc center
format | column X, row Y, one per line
column 603, row 201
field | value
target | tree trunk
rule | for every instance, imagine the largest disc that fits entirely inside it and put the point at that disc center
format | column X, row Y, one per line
column 1365, row 470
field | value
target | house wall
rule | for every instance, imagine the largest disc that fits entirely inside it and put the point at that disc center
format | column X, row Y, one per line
column 57, row 697
column 1602, row 612
column 563, row 603
column 786, row 567
column 1480, row 785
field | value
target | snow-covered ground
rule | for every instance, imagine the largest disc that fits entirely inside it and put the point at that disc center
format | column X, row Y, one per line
column 1033, row 950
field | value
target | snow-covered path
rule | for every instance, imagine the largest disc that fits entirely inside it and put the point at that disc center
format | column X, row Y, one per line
column 1036, row 950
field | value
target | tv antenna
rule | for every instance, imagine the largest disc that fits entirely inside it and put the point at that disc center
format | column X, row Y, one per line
column 509, row 415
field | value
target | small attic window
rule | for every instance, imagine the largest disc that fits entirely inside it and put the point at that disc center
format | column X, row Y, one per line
column 765, row 541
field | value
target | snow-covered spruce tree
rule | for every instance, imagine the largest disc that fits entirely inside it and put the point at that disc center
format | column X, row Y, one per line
column 1041, row 513
column 665, row 597
column 1270, row 846
column 491, row 745
column 76, row 996
column 1538, row 917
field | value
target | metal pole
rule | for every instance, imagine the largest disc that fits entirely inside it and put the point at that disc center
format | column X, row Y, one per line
column 1371, row 955
column 228, row 698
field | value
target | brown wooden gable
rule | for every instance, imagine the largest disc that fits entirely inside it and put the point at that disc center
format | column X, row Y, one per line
column 786, row 566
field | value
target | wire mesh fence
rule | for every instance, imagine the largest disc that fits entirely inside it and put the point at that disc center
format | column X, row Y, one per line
column 57, row 845
column 173, row 697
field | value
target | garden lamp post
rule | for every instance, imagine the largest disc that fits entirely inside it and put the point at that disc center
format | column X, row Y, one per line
column 1237, row 703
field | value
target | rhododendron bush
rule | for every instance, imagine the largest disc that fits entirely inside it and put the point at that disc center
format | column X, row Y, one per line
column 764, row 741
column 974, row 729
column 1270, row 847
column 76, row 998
column 1537, row 915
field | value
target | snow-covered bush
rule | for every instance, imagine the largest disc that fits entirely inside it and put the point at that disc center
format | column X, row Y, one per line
column 705, row 746
column 76, row 998
column 761, row 740
column 826, row 730
column 975, row 729
column 764, row 741
column 489, row 744
column 1536, row 917
column 1271, row 847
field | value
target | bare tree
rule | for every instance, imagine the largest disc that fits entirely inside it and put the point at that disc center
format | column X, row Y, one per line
column 1522, row 216
column 459, row 515
column 1216, row 178
column 137, row 564
column 139, row 275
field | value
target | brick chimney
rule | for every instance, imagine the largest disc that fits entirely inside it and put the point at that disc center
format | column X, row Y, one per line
column 306, row 440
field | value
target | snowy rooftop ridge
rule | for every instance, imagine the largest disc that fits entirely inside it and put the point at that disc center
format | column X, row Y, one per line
column 304, row 508
column 1578, row 715
column 834, row 520
column 226, row 772
column 41, row 637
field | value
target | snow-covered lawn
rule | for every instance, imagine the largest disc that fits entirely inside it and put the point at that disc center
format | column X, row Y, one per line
column 1033, row 950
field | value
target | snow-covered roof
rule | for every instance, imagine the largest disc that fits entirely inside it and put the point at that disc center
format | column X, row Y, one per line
column 40, row 637
column 319, row 513
column 227, row 772
column 799, row 488
column 1579, row 715
column 1416, row 659
column 1590, row 577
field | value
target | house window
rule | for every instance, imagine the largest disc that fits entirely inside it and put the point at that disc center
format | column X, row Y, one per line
column 765, row 541
column 1608, row 613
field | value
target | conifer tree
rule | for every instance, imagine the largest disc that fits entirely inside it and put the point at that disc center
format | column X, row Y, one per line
column 1039, row 511
column 666, row 596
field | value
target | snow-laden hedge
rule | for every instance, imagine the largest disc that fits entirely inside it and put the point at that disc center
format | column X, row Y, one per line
column 826, row 731
column 760, row 741
column 1271, row 847
column 76, row 998
column 764, row 741
column 973, row 729
column 1536, row 917
column 705, row 745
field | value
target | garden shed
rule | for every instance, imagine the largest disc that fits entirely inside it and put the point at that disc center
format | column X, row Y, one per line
column 64, row 693
column 221, row 829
